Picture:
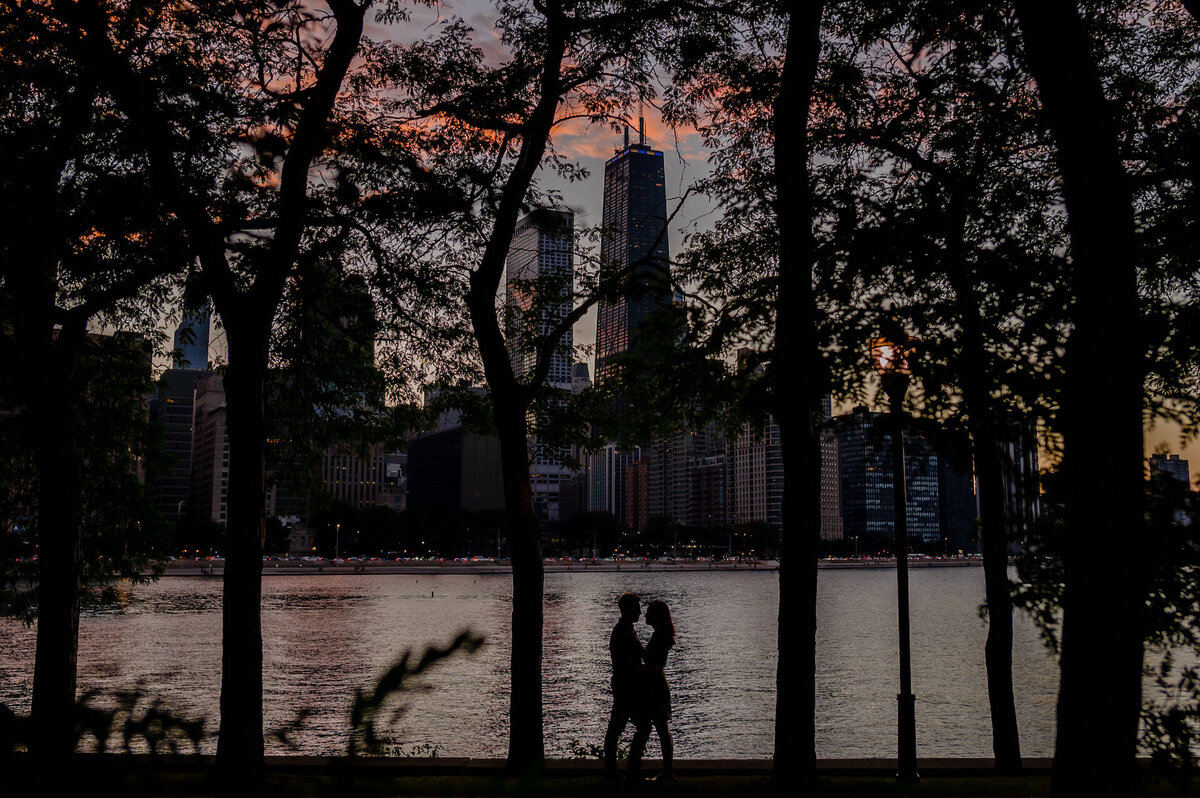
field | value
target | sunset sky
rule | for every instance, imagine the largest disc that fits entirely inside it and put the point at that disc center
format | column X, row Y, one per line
column 685, row 161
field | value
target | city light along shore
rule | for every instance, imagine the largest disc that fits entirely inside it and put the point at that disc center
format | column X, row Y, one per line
column 483, row 565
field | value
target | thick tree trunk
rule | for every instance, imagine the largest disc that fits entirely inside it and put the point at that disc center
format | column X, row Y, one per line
column 60, row 569
column 1099, row 698
column 526, row 744
column 49, row 400
column 796, row 344
column 240, row 745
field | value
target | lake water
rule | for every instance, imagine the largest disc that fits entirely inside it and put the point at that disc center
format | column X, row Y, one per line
column 326, row 635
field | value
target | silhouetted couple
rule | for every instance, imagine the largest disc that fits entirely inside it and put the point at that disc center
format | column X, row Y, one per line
column 639, row 685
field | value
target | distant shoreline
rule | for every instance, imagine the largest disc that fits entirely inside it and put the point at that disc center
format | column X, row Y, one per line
column 217, row 567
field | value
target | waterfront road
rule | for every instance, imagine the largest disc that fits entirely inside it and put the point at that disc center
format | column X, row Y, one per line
column 216, row 567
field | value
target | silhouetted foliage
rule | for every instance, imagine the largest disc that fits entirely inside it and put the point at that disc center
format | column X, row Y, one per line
column 1169, row 544
column 234, row 110
column 367, row 734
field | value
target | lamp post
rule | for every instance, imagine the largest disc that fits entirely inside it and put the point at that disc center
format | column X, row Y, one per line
column 337, row 540
column 890, row 358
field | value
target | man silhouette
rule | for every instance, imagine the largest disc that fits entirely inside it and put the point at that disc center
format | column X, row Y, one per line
column 627, row 653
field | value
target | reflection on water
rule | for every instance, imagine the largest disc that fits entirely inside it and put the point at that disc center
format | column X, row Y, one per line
column 325, row 635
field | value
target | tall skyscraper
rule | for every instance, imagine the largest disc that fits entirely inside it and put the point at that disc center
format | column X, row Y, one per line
column 634, row 248
column 633, row 239
column 540, row 270
column 540, row 274
column 210, row 451
column 191, row 340
column 172, row 407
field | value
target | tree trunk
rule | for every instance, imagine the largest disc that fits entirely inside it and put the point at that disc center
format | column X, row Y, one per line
column 60, row 561
column 526, row 743
column 510, row 401
column 1006, row 741
column 240, row 745
column 1099, row 699
column 987, row 456
column 795, row 753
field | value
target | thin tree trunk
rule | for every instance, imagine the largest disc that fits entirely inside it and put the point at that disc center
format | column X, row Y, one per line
column 987, row 454
column 1006, row 741
column 510, row 401
column 796, row 344
column 1099, row 698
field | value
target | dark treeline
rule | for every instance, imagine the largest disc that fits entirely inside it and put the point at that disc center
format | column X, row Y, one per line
column 1014, row 185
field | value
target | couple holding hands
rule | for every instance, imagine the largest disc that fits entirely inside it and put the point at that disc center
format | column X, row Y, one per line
column 639, row 685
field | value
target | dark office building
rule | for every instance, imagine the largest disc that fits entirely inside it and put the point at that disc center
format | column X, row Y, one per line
column 958, row 514
column 454, row 470
column 172, row 407
column 865, row 448
column 707, row 507
column 671, row 480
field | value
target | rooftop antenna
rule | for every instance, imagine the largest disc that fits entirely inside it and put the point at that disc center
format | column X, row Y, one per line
column 627, row 137
column 641, row 124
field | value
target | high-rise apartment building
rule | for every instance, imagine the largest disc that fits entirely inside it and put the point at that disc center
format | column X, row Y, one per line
column 754, row 475
column 539, row 289
column 831, row 481
column 539, row 280
column 452, row 469
column 637, row 489
column 1172, row 464
column 210, row 450
column 581, row 378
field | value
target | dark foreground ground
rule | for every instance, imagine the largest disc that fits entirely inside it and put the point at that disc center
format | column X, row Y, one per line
column 133, row 776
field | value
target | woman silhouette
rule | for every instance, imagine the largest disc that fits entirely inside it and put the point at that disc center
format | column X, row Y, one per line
column 655, row 694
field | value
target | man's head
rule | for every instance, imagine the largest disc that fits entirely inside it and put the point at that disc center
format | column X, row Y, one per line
column 630, row 605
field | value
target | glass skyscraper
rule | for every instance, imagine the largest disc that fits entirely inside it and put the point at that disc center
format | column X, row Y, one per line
column 191, row 339
column 633, row 248
column 539, row 288
column 633, row 240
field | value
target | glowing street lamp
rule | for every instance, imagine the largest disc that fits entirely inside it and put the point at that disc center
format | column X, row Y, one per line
column 890, row 355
